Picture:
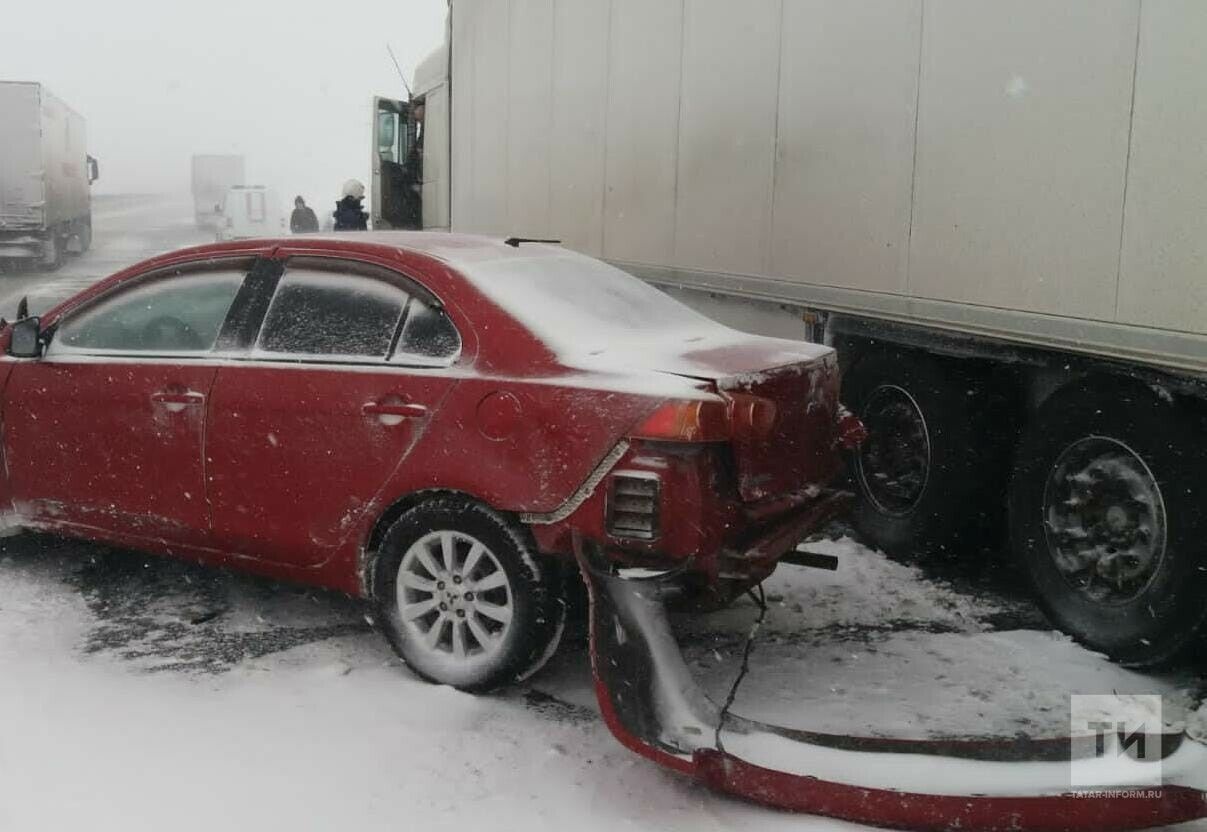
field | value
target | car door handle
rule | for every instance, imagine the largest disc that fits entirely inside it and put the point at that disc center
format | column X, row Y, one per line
column 400, row 409
column 186, row 398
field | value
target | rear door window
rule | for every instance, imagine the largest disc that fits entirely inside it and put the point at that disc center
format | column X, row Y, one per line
column 428, row 337
column 178, row 314
column 329, row 315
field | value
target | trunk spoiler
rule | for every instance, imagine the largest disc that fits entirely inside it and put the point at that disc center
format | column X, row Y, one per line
column 654, row 708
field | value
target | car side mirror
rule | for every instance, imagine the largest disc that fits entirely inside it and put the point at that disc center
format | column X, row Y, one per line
column 26, row 340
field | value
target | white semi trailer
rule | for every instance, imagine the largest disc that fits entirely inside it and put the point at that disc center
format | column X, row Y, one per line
column 45, row 176
column 996, row 211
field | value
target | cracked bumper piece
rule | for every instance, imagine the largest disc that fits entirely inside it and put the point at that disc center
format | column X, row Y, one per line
column 653, row 707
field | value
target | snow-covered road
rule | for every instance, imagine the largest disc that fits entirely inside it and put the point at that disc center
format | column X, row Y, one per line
column 144, row 694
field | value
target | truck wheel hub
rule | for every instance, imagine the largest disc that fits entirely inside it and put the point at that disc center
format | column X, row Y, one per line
column 1105, row 521
column 893, row 466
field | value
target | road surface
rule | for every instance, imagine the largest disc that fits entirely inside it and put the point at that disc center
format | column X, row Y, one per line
column 139, row 693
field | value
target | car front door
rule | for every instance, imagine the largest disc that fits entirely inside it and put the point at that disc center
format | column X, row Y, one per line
column 105, row 430
column 344, row 376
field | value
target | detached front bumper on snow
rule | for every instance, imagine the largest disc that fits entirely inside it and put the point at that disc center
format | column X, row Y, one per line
column 653, row 707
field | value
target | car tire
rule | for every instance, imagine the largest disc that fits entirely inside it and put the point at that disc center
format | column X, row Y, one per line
column 916, row 477
column 1106, row 517
column 490, row 616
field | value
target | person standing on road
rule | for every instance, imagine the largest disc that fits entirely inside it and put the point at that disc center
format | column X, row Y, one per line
column 302, row 220
column 349, row 215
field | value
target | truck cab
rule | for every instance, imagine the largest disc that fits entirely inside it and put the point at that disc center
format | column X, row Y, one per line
column 410, row 152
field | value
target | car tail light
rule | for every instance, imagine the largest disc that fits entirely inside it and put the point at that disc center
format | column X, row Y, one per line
column 739, row 416
column 751, row 417
column 632, row 507
column 687, row 421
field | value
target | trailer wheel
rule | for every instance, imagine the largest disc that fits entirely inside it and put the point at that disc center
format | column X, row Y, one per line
column 1106, row 516
column 916, row 474
column 52, row 251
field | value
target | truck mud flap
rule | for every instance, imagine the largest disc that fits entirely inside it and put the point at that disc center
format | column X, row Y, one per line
column 653, row 707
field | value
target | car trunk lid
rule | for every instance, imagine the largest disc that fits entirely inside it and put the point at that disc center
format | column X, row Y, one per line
column 795, row 448
column 790, row 444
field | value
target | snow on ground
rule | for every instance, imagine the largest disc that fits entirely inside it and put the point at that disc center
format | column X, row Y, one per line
column 145, row 694
column 922, row 658
column 329, row 734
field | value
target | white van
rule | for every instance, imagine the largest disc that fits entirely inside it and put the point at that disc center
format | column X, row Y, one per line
column 250, row 211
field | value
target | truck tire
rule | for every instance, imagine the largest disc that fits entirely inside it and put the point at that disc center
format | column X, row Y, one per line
column 1106, row 517
column 462, row 598
column 916, row 476
column 52, row 251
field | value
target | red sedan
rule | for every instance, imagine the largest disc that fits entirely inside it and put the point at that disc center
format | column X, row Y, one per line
column 428, row 421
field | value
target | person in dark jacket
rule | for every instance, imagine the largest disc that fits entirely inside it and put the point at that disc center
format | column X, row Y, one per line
column 349, row 215
column 302, row 220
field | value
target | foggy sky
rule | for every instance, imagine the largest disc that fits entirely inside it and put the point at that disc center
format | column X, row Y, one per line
column 289, row 85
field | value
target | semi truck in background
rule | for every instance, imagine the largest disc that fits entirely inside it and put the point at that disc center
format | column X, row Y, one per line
column 996, row 212
column 213, row 176
column 45, row 177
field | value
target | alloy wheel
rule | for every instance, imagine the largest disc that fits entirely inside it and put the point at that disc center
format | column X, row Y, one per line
column 454, row 598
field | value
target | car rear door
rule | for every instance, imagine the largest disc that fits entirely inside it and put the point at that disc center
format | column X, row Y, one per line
column 341, row 381
column 105, row 430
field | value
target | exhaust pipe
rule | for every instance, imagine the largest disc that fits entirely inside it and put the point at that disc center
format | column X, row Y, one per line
column 653, row 707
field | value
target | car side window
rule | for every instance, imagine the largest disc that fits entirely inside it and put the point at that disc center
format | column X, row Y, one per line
column 428, row 336
column 171, row 314
column 321, row 314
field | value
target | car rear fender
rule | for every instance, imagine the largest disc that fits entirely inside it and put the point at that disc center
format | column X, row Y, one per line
column 520, row 445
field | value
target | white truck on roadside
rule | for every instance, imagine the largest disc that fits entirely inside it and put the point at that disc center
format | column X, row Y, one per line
column 45, row 177
column 996, row 212
column 213, row 176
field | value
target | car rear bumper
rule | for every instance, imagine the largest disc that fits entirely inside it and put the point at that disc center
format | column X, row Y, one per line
column 781, row 524
column 654, row 707
column 770, row 537
column 725, row 544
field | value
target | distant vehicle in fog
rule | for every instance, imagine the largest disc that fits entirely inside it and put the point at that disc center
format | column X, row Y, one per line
column 45, row 174
column 213, row 176
column 250, row 211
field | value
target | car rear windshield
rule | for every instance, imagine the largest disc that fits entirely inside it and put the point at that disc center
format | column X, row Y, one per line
column 579, row 305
